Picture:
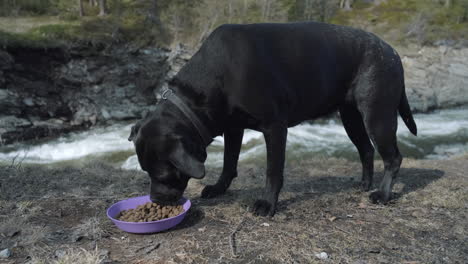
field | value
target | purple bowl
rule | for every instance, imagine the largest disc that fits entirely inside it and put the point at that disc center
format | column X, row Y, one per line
column 144, row 227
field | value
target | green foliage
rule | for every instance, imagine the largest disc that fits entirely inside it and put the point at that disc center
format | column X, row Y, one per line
column 57, row 31
column 421, row 21
column 26, row 7
column 8, row 39
column 161, row 22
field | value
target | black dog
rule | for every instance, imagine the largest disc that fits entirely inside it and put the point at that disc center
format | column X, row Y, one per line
column 269, row 77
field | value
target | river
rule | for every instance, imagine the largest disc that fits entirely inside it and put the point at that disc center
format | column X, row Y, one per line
column 441, row 134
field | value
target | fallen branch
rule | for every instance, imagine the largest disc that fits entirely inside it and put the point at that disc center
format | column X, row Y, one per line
column 148, row 249
column 232, row 238
column 366, row 220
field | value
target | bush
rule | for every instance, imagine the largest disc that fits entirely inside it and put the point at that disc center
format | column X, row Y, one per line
column 27, row 7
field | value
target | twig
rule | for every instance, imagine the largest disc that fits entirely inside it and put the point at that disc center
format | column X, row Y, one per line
column 232, row 237
column 344, row 231
column 18, row 165
column 12, row 165
column 365, row 220
column 350, row 234
column 148, row 249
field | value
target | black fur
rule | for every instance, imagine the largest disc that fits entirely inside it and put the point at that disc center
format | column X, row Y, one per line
column 269, row 77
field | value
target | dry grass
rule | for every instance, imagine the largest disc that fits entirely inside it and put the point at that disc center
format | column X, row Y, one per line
column 25, row 24
column 80, row 256
column 90, row 228
column 321, row 209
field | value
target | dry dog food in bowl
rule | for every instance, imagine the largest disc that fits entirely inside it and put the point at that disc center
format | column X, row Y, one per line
column 150, row 212
column 135, row 215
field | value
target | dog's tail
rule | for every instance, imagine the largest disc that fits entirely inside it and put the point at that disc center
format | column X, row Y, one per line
column 406, row 115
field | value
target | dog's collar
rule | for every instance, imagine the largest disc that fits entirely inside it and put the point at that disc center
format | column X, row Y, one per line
column 204, row 133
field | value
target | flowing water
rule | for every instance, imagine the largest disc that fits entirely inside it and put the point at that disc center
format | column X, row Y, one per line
column 441, row 134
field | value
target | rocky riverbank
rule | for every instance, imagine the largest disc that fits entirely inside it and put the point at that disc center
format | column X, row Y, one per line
column 436, row 77
column 47, row 92
column 44, row 93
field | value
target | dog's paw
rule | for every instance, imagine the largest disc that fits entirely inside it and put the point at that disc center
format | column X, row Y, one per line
column 211, row 191
column 379, row 197
column 366, row 185
column 263, row 208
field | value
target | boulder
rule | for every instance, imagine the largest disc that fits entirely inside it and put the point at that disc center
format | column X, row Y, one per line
column 37, row 86
column 436, row 77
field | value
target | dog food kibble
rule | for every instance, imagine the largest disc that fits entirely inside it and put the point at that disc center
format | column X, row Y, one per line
column 150, row 212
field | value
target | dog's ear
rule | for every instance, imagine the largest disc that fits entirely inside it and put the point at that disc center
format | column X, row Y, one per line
column 134, row 131
column 184, row 161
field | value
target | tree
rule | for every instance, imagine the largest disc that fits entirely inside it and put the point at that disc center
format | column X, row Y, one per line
column 319, row 10
column 102, row 8
column 80, row 6
column 93, row 2
column 346, row 4
column 266, row 9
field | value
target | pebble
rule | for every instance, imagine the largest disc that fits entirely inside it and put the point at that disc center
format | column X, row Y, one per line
column 60, row 253
column 322, row 255
column 6, row 253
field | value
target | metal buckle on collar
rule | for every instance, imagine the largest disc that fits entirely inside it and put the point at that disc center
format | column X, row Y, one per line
column 166, row 93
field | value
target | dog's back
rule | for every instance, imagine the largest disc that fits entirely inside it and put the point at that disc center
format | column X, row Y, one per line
column 303, row 69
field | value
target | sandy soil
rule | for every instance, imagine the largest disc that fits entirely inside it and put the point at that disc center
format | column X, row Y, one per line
column 57, row 214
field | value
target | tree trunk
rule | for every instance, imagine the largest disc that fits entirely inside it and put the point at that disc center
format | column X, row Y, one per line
column 266, row 9
column 154, row 13
column 447, row 3
column 230, row 11
column 92, row 3
column 244, row 12
column 80, row 7
column 345, row 4
column 102, row 8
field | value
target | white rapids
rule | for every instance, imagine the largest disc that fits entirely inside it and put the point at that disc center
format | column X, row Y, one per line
column 441, row 134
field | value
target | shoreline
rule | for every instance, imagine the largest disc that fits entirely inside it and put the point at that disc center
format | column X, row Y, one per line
column 72, row 93
column 321, row 209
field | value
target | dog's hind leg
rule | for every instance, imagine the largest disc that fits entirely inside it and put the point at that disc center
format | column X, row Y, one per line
column 354, row 126
column 381, row 125
column 232, row 146
column 377, row 94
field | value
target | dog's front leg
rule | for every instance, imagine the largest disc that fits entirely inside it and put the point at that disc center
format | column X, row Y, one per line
column 232, row 146
column 275, row 139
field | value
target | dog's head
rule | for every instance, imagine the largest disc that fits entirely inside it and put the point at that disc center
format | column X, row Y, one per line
column 171, row 155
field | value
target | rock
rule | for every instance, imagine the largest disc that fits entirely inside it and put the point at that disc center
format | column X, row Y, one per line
column 105, row 114
column 83, row 87
column 436, row 77
column 6, row 253
column 10, row 123
column 2, row 79
column 6, row 60
column 122, row 115
column 28, row 101
column 9, row 103
column 60, row 253
column 4, row 94
column 322, row 255
column 104, row 253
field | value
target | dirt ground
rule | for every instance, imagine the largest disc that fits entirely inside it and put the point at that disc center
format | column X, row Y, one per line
column 58, row 215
